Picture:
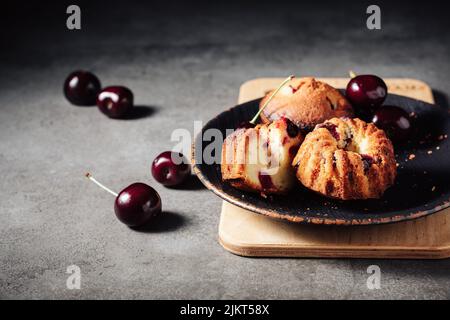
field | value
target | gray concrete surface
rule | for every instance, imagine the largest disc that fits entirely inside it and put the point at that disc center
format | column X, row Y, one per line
column 184, row 63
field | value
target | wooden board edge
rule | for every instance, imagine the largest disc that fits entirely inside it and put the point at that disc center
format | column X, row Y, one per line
column 287, row 251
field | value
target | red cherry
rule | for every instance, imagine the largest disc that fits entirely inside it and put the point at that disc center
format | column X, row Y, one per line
column 330, row 127
column 292, row 128
column 81, row 88
column 136, row 204
column 367, row 162
column 366, row 93
column 170, row 168
column 115, row 101
column 394, row 121
column 265, row 180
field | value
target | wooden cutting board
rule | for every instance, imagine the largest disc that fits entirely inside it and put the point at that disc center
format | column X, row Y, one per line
column 248, row 234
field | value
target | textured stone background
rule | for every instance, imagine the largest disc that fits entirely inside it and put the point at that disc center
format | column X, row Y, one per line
column 184, row 62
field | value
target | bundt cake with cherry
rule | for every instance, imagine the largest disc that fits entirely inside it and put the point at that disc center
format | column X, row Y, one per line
column 346, row 159
column 306, row 102
column 259, row 159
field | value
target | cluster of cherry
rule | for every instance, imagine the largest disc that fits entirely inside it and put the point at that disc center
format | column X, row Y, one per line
column 138, row 203
column 367, row 94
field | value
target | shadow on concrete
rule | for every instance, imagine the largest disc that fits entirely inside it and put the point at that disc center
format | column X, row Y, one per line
column 140, row 112
column 166, row 222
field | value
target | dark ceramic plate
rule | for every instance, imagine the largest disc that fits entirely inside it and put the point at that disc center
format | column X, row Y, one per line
column 421, row 188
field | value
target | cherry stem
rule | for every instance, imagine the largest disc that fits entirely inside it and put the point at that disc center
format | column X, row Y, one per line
column 352, row 74
column 270, row 98
column 90, row 177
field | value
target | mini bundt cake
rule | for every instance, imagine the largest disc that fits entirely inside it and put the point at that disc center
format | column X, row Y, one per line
column 346, row 159
column 306, row 102
column 259, row 159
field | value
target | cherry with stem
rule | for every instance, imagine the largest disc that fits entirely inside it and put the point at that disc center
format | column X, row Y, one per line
column 136, row 204
column 253, row 121
column 90, row 177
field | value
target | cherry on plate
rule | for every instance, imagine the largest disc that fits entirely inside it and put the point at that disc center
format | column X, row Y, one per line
column 170, row 168
column 292, row 129
column 394, row 121
column 115, row 101
column 366, row 92
column 81, row 88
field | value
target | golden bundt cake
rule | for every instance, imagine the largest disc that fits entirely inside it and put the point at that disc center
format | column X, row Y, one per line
column 346, row 159
column 306, row 102
column 259, row 159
